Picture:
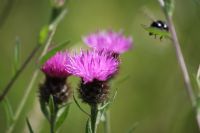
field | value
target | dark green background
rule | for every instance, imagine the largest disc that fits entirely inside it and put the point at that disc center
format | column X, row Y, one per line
column 153, row 93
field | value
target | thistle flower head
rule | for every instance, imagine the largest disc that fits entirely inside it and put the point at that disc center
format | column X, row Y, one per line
column 92, row 65
column 55, row 66
column 108, row 40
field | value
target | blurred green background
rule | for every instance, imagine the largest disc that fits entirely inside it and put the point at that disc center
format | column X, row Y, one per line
column 153, row 94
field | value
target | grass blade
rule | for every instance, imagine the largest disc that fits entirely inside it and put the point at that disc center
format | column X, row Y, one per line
column 29, row 126
column 9, row 112
column 62, row 115
column 17, row 54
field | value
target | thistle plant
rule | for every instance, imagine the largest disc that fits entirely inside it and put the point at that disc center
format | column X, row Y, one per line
column 94, row 68
column 115, row 43
column 54, row 93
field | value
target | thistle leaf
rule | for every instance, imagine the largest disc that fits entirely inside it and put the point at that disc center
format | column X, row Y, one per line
column 9, row 112
column 104, row 106
column 62, row 115
column 102, row 109
column 88, row 127
column 51, row 105
column 79, row 106
column 45, row 109
column 29, row 126
column 53, row 52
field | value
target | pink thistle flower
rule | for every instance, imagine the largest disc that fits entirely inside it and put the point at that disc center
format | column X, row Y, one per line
column 92, row 65
column 110, row 41
column 55, row 66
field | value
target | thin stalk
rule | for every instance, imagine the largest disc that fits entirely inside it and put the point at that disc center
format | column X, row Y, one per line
column 181, row 61
column 107, row 127
column 52, row 122
column 94, row 113
column 55, row 13
column 30, row 85
column 21, row 106
column 36, row 72
column 183, row 69
column 19, row 71
column 52, row 129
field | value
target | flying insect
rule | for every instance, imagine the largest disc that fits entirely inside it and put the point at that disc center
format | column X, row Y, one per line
column 160, row 25
column 157, row 27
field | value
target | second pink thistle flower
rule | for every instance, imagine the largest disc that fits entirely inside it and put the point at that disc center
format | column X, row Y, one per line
column 110, row 41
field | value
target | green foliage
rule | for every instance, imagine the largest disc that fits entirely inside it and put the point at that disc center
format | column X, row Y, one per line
column 29, row 126
column 198, row 77
column 9, row 112
column 169, row 7
column 54, row 113
column 88, row 127
column 198, row 104
column 79, row 106
column 62, row 115
column 58, row 19
column 45, row 109
column 104, row 107
column 53, row 52
column 51, row 105
column 43, row 35
column 17, row 54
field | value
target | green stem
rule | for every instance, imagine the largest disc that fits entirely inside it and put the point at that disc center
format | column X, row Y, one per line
column 55, row 13
column 107, row 127
column 22, row 104
column 94, row 113
column 52, row 121
column 33, row 79
column 183, row 67
column 19, row 71
column 180, row 59
column 179, row 54
column 28, row 90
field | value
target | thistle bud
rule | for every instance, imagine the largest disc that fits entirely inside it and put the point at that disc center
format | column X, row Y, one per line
column 55, row 79
column 94, row 92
